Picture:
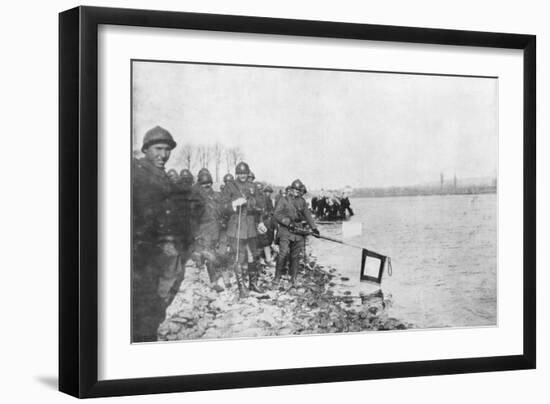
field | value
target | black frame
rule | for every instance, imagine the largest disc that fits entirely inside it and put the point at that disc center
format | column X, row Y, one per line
column 78, row 175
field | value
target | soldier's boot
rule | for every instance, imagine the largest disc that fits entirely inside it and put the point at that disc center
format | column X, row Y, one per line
column 293, row 272
column 214, row 276
column 268, row 258
column 277, row 278
column 243, row 290
column 244, row 274
column 253, row 276
column 226, row 280
column 279, row 269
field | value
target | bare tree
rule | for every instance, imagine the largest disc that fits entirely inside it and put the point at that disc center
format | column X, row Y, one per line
column 204, row 155
column 187, row 155
column 217, row 153
column 232, row 157
column 226, row 155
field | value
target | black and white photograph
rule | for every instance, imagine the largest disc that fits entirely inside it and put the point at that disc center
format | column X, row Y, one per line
column 272, row 201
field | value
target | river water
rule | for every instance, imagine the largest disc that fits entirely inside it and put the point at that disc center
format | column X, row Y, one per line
column 443, row 250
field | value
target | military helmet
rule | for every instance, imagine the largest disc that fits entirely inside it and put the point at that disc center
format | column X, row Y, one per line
column 204, row 178
column 268, row 189
column 186, row 174
column 251, row 176
column 298, row 185
column 157, row 135
column 242, row 168
column 228, row 178
column 259, row 186
column 203, row 170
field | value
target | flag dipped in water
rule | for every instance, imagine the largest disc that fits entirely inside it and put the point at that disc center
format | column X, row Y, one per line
column 372, row 263
column 372, row 266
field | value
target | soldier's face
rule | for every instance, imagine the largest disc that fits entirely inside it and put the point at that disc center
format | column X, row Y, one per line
column 242, row 177
column 158, row 154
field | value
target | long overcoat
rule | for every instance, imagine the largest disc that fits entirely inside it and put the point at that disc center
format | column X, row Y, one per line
column 151, row 189
column 248, row 212
column 211, row 220
column 187, row 207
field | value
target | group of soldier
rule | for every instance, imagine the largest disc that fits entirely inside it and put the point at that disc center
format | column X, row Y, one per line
column 176, row 218
column 331, row 206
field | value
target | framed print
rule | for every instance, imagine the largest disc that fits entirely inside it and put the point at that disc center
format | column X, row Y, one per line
column 250, row 201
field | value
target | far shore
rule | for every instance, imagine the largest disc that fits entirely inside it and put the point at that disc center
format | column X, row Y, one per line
column 390, row 195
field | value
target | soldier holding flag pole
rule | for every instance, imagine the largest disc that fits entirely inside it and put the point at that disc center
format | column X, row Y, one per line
column 291, row 213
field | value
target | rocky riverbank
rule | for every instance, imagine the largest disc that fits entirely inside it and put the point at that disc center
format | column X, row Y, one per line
column 318, row 304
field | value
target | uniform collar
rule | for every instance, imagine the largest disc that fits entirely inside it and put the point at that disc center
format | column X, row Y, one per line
column 144, row 161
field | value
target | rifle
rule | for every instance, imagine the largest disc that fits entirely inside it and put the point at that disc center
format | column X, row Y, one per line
column 302, row 230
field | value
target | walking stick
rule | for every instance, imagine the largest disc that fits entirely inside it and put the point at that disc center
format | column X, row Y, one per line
column 243, row 292
column 238, row 237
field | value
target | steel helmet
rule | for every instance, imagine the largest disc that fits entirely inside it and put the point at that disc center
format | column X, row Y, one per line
column 228, row 178
column 242, row 168
column 157, row 135
column 259, row 186
column 204, row 178
column 202, row 170
column 268, row 189
column 251, row 176
column 298, row 185
column 185, row 174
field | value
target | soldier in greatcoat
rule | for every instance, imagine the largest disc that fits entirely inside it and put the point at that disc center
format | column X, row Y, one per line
column 154, row 245
column 241, row 228
column 187, row 208
column 208, row 246
column 280, row 194
column 224, row 245
column 292, row 214
column 228, row 181
column 266, row 225
column 346, row 206
column 186, row 178
column 173, row 175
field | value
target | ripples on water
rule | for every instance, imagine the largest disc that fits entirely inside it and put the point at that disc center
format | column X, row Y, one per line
column 444, row 256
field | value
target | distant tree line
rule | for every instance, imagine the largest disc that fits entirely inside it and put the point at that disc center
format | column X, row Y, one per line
column 218, row 158
column 424, row 190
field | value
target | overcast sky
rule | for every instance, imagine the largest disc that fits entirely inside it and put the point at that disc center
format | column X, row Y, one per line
column 328, row 128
